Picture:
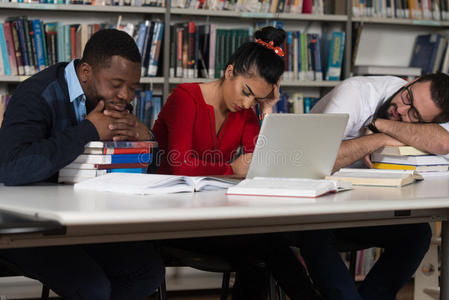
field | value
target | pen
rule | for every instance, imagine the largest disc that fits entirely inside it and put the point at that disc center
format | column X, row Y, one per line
column 259, row 113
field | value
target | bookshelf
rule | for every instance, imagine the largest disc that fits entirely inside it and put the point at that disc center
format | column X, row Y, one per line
column 168, row 16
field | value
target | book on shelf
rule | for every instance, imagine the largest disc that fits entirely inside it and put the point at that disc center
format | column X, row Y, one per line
column 147, row 184
column 387, row 70
column 417, row 160
column 287, row 187
column 375, row 177
column 427, row 52
column 402, row 9
column 32, row 45
column 335, row 42
column 400, row 151
column 423, row 168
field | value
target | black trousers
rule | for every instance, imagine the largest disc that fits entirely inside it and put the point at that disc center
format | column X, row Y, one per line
column 245, row 252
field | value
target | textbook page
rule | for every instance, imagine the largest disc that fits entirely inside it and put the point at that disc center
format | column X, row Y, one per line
column 147, row 184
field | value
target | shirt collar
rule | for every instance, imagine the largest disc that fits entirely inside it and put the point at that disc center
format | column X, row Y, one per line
column 73, row 83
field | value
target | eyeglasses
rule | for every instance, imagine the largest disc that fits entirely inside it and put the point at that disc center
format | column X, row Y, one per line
column 407, row 99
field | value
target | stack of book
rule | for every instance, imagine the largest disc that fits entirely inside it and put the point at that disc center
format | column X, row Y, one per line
column 408, row 158
column 100, row 158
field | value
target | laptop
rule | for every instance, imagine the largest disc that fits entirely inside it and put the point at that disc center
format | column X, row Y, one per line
column 297, row 145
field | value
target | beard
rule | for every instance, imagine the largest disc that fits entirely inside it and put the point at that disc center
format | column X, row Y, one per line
column 382, row 111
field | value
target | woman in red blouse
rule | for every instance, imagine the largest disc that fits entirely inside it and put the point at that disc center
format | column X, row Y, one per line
column 202, row 125
column 199, row 131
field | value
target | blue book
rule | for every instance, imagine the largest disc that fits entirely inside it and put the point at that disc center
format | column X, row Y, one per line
column 290, row 55
column 425, row 52
column 307, row 105
column 18, row 23
column 155, row 49
column 316, row 52
column 6, row 67
column 157, row 105
column 147, row 108
column 334, row 61
column 113, row 158
column 38, row 36
column 141, row 35
column 128, row 170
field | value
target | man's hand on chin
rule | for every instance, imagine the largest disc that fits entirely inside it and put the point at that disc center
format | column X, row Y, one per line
column 126, row 127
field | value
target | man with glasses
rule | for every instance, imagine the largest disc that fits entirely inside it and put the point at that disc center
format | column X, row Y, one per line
column 383, row 110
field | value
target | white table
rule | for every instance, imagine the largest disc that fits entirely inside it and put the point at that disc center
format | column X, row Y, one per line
column 92, row 217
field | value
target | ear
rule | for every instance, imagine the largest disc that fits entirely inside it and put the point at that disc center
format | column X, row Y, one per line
column 229, row 72
column 85, row 72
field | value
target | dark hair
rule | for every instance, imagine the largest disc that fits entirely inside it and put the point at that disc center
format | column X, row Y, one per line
column 439, row 91
column 267, row 63
column 107, row 43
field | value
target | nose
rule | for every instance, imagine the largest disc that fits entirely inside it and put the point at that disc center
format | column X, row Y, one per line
column 403, row 109
column 123, row 93
column 249, row 102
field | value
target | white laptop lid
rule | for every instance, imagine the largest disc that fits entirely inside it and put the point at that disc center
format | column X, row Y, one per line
column 297, row 145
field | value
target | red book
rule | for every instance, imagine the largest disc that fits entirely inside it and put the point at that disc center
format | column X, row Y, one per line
column 73, row 40
column 307, row 7
column 120, row 166
column 117, row 150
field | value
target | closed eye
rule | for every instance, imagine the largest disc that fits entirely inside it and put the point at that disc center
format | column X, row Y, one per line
column 245, row 93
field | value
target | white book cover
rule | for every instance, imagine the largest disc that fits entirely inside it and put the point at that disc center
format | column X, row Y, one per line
column 411, row 160
column 147, row 184
column 286, row 187
column 81, row 172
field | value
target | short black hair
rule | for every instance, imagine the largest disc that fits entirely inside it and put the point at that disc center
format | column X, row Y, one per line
column 267, row 63
column 439, row 91
column 106, row 43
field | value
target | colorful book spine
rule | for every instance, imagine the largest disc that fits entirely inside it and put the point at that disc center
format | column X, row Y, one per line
column 335, row 58
column 10, row 48
column 39, row 44
column 19, row 59
column 155, row 50
column 4, row 52
column 18, row 24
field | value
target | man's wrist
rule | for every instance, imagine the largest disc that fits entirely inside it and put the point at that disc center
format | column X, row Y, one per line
column 372, row 126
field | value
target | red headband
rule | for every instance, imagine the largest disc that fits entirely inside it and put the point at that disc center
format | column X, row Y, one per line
column 270, row 45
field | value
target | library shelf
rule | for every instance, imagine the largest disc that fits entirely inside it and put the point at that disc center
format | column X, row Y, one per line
column 84, row 8
column 397, row 21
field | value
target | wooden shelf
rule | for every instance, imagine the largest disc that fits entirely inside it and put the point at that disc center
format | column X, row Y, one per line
column 396, row 21
column 84, row 8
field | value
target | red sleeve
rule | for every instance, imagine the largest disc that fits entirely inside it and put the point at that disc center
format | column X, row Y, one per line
column 250, row 131
column 181, row 113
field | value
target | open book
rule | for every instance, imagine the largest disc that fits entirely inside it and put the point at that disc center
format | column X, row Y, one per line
column 287, row 187
column 376, row 177
column 129, row 183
